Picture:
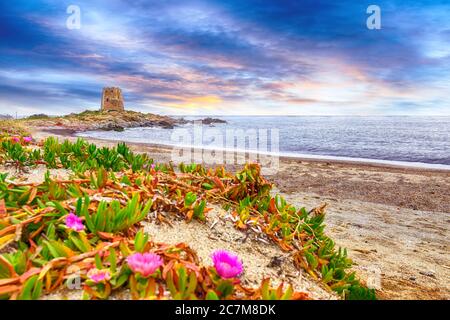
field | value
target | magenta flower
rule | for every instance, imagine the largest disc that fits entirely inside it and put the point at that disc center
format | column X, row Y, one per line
column 145, row 264
column 27, row 139
column 227, row 264
column 97, row 275
column 74, row 222
column 15, row 139
column 153, row 166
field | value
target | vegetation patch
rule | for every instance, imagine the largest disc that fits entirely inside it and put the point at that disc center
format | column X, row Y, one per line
column 91, row 224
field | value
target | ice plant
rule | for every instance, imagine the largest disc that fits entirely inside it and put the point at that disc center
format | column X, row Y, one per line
column 15, row 139
column 145, row 264
column 227, row 264
column 97, row 285
column 97, row 276
column 113, row 224
column 27, row 139
column 74, row 222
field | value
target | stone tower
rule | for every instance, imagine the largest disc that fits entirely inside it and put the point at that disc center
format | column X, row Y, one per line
column 112, row 99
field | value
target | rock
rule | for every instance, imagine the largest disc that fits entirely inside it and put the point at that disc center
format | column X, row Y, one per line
column 212, row 121
column 107, row 120
column 112, row 126
column 166, row 124
column 119, row 128
column 275, row 262
column 428, row 274
column 182, row 121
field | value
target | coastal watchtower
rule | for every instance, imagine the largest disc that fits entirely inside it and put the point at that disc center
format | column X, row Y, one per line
column 112, row 99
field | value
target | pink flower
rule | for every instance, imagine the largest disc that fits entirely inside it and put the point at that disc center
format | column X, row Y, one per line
column 153, row 166
column 97, row 275
column 145, row 264
column 227, row 264
column 27, row 139
column 74, row 222
column 15, row 139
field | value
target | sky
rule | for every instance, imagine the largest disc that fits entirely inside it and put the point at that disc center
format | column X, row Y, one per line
column 220, row 57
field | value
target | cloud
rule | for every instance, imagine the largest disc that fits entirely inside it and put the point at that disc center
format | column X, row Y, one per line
column 255, row 56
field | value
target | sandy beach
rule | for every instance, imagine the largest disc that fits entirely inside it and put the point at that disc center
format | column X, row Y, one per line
column 225, row 150
column 394, row 221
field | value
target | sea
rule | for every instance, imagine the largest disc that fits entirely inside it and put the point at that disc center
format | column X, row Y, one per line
column 421, row 141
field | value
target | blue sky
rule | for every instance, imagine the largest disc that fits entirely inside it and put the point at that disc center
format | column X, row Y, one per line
column 227, row 57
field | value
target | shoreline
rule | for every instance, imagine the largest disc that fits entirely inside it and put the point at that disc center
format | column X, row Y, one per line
column 376, row 163
column 407, row 187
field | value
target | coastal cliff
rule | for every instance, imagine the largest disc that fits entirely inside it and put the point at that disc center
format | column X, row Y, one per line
column 96, row 120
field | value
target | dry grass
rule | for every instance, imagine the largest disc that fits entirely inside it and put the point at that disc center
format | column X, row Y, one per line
column 13, row 127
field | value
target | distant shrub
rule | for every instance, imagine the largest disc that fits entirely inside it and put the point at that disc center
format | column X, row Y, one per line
column 86, row 113
column 38, row 116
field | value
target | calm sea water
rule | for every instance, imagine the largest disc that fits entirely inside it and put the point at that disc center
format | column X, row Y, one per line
column 395, row 139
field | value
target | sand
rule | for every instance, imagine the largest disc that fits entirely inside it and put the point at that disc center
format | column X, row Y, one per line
column 394, row 221
column 261, row 258
column 404, row 253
